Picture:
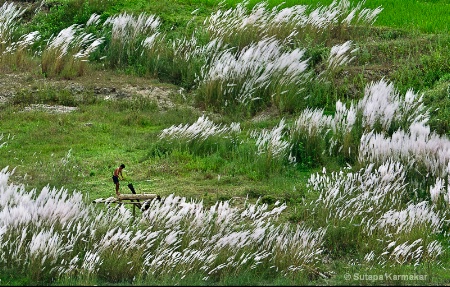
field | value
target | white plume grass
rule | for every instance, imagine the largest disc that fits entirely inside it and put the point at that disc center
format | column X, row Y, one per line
column 245, row 75
column 272, row 142
column 372, row 200
column 199, row 131
column 67, row 237
column 10, row 12
column 73, row 39
column 127, row 27
column 296, row 20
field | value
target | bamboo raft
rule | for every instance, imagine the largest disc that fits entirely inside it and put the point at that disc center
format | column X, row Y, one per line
column 133, row 199
column 121, row 198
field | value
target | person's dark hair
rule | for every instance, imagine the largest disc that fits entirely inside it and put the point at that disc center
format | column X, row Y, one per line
column 122, row 165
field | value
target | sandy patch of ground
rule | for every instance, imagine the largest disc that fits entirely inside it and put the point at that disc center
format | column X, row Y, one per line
column 108, row 85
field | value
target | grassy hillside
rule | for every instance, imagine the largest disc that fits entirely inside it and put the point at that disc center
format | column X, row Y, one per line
column 320, row 146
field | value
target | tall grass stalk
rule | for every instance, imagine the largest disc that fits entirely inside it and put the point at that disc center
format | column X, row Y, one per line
column 190, row 55
column 228, row 75
column 66, row 53
column 252, row 76
column 23, row 42
column 272, row 148
column 229, row 247
column 375, row 201
column 340, row 56
column 308, row 137
column 279, row 74
column 201, row 137
column 380, row 126
column 54, row 234
column 240, row 27
column 389, row 206
column 425, row 152
column 384, row 110
column 9, row 14
column 14, row 50
column 129, row 35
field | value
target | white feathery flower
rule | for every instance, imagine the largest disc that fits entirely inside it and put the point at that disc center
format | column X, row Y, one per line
column 311, row 122
column 23, row 42
column 9, row 12
column 382, row 104
column 91, row 262
column 126, row 27
column 73, row 38
column 435, row 249
column 415, row 216
column 436, row 190
column 339, row 55
column 418, row 146
column 171, row 237
column 93, row 20
column 150, row 41
column 369, row 15
column 201, row 130
column 254, row 68
column 271, row 142
column 91, row 48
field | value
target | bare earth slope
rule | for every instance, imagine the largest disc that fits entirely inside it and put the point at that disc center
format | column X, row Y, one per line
column 105, row 84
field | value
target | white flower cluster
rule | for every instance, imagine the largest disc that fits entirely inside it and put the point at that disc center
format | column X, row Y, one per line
column 24, row 42
column 201, row 130
column 57, row 232
column 126, row 27
column 254, row 69
column 262, row 20
column 372, row 200
column 383, row 105
column 216, row 233
column 272, row 142
column 9, row 12
column 73, row 39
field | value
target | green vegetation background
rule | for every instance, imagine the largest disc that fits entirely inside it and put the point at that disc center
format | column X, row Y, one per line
column 80, row 150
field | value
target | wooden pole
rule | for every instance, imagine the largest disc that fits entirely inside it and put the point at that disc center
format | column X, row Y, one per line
column 143, row 196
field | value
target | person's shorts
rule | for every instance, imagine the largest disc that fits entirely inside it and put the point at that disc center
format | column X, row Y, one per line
column 115, row 179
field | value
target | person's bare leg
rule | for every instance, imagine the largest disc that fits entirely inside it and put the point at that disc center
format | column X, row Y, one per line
column 117, row 189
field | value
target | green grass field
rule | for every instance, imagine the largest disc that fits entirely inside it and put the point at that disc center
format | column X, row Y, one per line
column 408, row 44
column 423, row 16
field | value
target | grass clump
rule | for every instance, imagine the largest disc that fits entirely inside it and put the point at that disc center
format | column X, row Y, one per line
column 294, row 147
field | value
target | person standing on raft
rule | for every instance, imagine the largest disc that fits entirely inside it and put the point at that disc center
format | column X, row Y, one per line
column 116, row 175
